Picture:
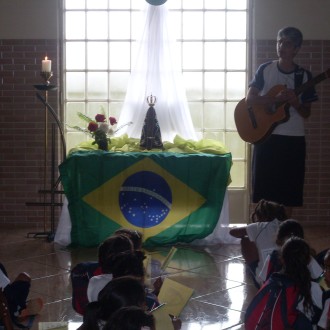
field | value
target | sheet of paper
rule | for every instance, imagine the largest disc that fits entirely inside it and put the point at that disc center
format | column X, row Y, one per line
column 163, row 320
column 53, row 326
column 175, row 296
column 168, row 258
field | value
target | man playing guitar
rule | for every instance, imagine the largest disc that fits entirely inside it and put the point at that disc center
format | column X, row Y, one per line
column 278, row 165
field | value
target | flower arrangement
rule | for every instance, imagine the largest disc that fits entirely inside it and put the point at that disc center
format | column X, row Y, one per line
column 99, row 129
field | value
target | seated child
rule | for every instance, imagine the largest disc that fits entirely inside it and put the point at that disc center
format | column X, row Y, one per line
column 288, row 299
column 119, row 292
column 108, row 248
column 130, row 264
column 287, row 229
column 16, row 294
column 84, row 271
column 81, row 273
column 258, row 239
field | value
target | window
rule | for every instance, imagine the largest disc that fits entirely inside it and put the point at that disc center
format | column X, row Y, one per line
column 99, row 43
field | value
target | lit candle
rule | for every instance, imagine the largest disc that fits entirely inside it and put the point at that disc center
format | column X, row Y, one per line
column 46, row 65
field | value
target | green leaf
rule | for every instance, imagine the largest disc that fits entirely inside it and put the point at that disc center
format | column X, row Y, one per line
column 84, row 117
column 77, row 128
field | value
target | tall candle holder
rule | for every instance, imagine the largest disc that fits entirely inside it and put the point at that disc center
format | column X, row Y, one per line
column 46, row 87
column 46, row 75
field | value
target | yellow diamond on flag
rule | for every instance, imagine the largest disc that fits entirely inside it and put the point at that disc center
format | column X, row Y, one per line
column 142, row 207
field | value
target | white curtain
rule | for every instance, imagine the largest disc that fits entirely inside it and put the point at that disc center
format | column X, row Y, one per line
column 157, row 72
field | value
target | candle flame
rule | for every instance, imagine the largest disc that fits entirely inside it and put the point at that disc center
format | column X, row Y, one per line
column 46, row 58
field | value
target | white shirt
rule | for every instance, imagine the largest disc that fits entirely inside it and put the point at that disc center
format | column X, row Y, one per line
column 96, row 284
column 325, row 317
column 263, row 234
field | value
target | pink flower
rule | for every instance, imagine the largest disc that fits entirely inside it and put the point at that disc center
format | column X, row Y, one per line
column 112, row 121
column 92, row 127
column 100, row 118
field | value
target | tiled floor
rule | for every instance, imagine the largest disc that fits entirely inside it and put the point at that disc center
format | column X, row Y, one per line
column 222, row 289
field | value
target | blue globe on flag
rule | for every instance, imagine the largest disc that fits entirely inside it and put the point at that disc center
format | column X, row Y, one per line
column 145, row 199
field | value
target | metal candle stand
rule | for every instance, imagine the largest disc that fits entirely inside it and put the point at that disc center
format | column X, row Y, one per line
column 53, row 191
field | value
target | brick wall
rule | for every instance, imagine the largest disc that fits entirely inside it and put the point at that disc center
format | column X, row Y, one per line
column 315, row 56
column 22, row 133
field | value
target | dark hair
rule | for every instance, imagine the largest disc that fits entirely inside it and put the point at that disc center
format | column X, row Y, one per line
column 126, row 263
column 134, row 235
column 287, row 229
column 266, row 211
column 110, row 246
column 130, row 318
column 296, row 256
column 293, row 34
column 119, row 292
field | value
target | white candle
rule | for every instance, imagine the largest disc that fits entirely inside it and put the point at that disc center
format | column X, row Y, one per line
column 46, row 65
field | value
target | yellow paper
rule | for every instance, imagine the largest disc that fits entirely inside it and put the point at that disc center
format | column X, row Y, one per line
column 175, row 296
column 163, row 320
column 168, row 258
column 53, row 326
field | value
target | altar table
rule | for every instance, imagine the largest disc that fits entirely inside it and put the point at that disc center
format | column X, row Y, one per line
column 169, row 197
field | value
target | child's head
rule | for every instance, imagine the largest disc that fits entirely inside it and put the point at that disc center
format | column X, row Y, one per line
column 130, row 318
column 266, row 211
column 295, row 254
column 123, row 291
column 291, row 33
column 110, row 246
column 127, row 264
column 287, row 229
column 134, row 235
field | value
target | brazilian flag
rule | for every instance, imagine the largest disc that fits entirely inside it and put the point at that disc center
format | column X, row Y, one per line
column 169, row 197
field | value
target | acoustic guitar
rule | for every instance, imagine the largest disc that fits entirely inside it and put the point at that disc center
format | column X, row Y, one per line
column 256, row 122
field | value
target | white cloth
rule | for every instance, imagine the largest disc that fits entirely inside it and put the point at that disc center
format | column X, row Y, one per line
column 4, row 280
column 315, row 269
column 263, row 234
column 63, row 231
column 156, row 71
column 96, row 284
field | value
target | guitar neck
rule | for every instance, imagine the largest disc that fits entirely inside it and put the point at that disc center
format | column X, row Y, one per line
column 311, row 83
